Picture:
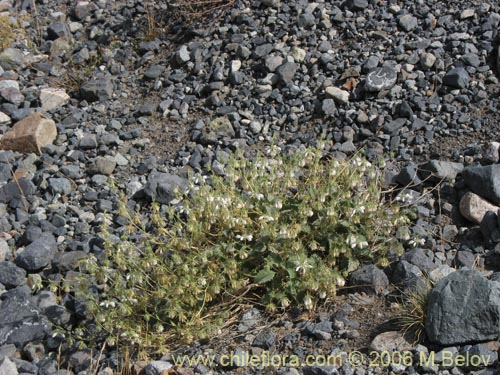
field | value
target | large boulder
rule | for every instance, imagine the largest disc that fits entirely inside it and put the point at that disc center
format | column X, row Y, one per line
column 463, row 308
column 484, row 181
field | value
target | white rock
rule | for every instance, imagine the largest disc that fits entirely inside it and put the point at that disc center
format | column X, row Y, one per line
column 7, row 367
column 340, row 96
column 235, row 65
column 52, row 98
column 4, row 119
column 298, row 54
column 473, row 207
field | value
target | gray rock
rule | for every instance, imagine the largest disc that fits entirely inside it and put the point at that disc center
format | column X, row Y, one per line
column 306, row 20
column 381, row 79
column 328, row 107
column 265, row 340
column 20, row 320
column 7, row 367
column 463, row 307
column 11, row 59
column 4, row 249
column 58, row 315
column 182, row 56
column 408, row 277
column 163, row 187
column 320, row 370
column 16, row 190
column 408, row 22
column 60, row 185
column 484, row 181
column 437, row 170
column 489, row 229
column 156, row 368
column 217, row 129
column 420, row 258
column 249, row 319
column 457, row 78
column 357, row 4
column 369, row 279
column 97, row 89
column 58, row 30
column 88, row 141
column 11, row 276
column 154, row 71
column 273, row 62
column 103, row 165
column 263, row 50
column 38, row 254
column 286, row 72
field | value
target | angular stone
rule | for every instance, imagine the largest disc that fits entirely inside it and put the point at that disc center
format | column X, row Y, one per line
column 38, row 254
column 381, row 79
column 369, row 279
column 11, row 59
column 408, row 22
column 484, row 181
column 339, row 95
column 357, row 4
column 273, row 62
column 457, row 78
column 286, row 72
column 97, row 89
column 7, row 367
column 437, row 170
column 30, row 134
column 104, row 165
column 52, row 98
column 182, row 56
column 4, row 119
column 20, row 319
column 217, row 129
column 11, row 276
column 298, row 54
column 427, row 60
column 163, row 187
column 463, row 307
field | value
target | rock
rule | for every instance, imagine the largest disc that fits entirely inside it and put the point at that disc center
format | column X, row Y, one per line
column 438, row 170
column 154, row 71
column 11, row 276
column 391, row 341
column 298, row 54
column 265, row 340
column 4, row 249
column 38, row 254
column 57, row 30
column 20, row 320
column 217, row 129
column 484, row 181
column 81, row 10
column 420, row 258
column 463, row 308
column 286, row 72
column 157, row 368
column 357, row 4
column 60, row 185
column 11, row 59
column 182, row 56
column 249, row 320
column 381, row 79
column 52, row 98
column 440, row 272
column 489, row 228
column 17, row 190
column 491, row 153
column 369, row 279
column 328, row 107
column 30, row 134
column 273, row 62
column 4, row 119
column 103, row 165
column 408, row 278
column 457, row 78
column 340, row 96
column 97, row 89
column 163, row 187
column 427, row 60
column 7, row 367
column 88, row 142
column 306, row 20
column 407, row 22
column 473, row 207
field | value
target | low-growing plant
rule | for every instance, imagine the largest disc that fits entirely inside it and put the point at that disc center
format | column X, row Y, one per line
column 280, row 230
column 6, row 32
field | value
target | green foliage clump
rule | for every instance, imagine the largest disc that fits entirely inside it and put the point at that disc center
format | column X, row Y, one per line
column 284, row 229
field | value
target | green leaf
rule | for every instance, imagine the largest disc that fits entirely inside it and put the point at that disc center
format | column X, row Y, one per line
column 264, row 276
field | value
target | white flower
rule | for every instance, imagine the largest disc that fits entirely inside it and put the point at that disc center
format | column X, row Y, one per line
column 340, row 281
column 278, row 205
column 247, row 237
column 352, row 241
column 266, row 218
column 308, row 302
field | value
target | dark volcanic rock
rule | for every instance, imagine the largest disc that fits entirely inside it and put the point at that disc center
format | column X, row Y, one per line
column 97, row 89
column 20, row 320
column 163, row 187
column 38, row 254
column 457, row 78
column 369, row 279
column 484, row 181
column 11, row 275
column 463, row 308
column 381, row 79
